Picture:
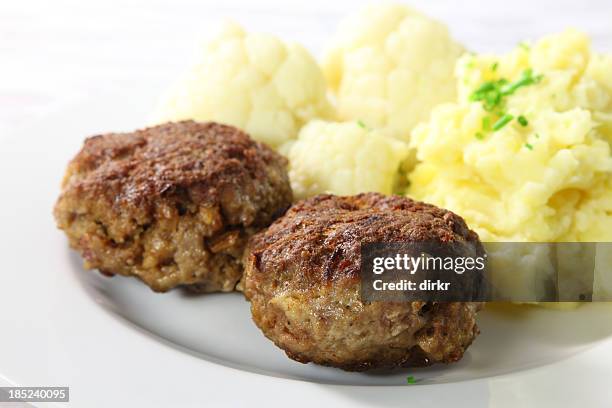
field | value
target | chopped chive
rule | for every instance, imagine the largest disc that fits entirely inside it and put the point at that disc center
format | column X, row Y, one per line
column 524, row 45
column 482, row 89
column 527, row 78
column 494, row 66
column 492, row 93
column 495, row 99
column 537, row 135
column 530, row 147
column 503, row 121
column 411, row 380
column 479, row 136
column 522, row 120
column 486, row 122
column 361, row 124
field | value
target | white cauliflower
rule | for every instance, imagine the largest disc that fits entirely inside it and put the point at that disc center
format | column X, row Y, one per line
column 253, row 81
column 344, row 158
column 389, row 66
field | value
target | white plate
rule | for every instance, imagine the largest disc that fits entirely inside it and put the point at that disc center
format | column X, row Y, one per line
column 115, row 343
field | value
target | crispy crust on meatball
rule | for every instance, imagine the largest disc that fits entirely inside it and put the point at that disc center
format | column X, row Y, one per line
column 173, row 204
column 302, row 278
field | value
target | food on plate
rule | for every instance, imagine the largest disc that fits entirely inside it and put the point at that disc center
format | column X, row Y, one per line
column 344, row 158
column 523, row 154
column 389, row 65
column 255, row 82
column 302, row 279
column 172, row 205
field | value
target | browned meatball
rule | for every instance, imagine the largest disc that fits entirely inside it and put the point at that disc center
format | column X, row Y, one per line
column 302, row 278
column 173, row 204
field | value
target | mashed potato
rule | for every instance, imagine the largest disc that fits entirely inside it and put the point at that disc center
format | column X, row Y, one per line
column 528, row 272
column 546, row 174
column 253, row 81
column 344, row 158
column 389, row 66
column 521, row 271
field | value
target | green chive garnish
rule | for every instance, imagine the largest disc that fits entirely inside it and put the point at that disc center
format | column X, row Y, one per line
column 486, row 122
column 411, row 380
column 494, row 66
column 503, row 121
column 530, row 147
column 527, row 78
column 537, row 135
column 361, row 124
column 524, row 45
column 491, row 93
column 479, row 135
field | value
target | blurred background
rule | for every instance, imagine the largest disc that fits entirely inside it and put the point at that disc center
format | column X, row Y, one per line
column 54, row 53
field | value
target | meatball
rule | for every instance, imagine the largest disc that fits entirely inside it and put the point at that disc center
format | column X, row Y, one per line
column 173, row 205
column 302, row 279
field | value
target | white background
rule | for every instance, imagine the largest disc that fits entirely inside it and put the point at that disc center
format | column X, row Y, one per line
column 55, row 52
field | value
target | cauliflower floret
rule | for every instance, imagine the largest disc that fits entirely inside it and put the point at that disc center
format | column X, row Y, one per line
column 253, row 81
column 344, row 158
column 389, row 66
